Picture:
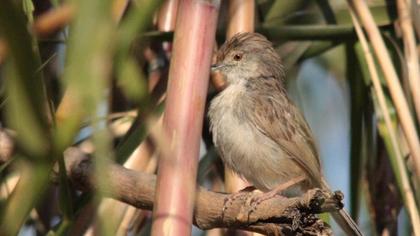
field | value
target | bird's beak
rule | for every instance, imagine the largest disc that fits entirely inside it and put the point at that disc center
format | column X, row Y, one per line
column 216, row 67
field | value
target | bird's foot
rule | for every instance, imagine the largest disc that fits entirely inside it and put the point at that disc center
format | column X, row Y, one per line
column 251, row 204
column 234, row 196
column 254, row 200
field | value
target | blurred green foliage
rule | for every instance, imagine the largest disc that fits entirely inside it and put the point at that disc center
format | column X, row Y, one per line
column 100, row 59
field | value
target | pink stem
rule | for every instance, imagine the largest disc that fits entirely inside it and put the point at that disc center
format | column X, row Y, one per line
column 183, row 119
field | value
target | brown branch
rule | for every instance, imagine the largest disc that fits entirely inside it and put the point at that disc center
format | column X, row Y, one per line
column 279, row 215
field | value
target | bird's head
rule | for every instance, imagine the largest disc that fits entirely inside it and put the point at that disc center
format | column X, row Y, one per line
column 247, row 56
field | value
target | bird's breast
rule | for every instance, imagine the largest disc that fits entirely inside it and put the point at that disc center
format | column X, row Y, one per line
column 242, row 147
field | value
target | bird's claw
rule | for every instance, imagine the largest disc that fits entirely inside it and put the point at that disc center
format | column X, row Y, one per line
column 228, row 201
column 251, row 204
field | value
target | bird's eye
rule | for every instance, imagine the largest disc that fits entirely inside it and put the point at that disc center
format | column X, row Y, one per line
column 237, row 57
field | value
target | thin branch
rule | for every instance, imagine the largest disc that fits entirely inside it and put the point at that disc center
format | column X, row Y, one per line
column 279, row 215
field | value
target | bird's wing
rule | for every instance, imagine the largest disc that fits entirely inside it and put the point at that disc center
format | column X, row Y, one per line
column 276, row 117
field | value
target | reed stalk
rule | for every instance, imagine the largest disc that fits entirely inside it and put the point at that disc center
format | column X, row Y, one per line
column 402, row 175
column 410, row 52
column 392, row 81
column 241, row 19
column 183, row 119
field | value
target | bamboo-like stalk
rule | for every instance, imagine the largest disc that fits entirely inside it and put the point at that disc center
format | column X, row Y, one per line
column 166, row 21
column 183, row 119
column 241, row 19
column 406, row 190
column 410, row 52
column 415, row 15
column 167, row 15
column 392, row 80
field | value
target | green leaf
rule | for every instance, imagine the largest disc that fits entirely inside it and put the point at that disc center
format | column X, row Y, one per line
column 87, row 71
column 26, row 101
column 91, row 46
column 358, row 96
column 327, row 12
column 384, row 12
column 319, row 47
column 131, row 81
column 65, row 194
column 28, row 8
column 281, row 9
column 34, row 178
column 308, row 32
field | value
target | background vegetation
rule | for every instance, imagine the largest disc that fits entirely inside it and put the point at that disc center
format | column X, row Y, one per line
column 92, row 75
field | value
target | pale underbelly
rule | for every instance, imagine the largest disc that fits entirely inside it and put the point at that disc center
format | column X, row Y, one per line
column 255, row 157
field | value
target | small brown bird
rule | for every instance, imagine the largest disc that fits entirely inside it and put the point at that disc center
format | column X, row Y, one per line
column 259, row 133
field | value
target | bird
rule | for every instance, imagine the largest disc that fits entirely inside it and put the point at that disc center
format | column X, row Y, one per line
column 258, row 131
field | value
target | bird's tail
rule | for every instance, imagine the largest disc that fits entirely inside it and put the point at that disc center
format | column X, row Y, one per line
column 346, row 223
column 343, row 218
